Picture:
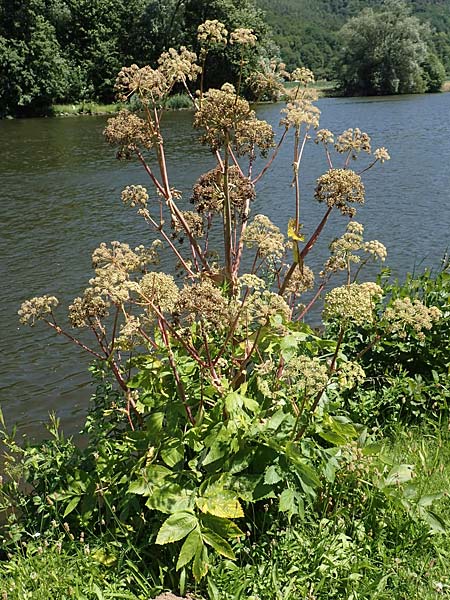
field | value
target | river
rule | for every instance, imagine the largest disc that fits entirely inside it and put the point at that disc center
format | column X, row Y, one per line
column 60, row 198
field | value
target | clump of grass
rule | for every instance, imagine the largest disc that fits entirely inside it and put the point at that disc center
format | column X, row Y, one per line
column 178, row 102
column 84, row 108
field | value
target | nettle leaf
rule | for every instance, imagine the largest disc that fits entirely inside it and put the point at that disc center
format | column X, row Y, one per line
column 271, row 476
column 220, row 503
column 190, row 547
column 173, row 452
column 176, row 527
column 217, row 542
column 287, row 501
column 307, row 474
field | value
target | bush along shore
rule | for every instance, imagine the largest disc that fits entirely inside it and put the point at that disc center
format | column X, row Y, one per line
column 231, row 451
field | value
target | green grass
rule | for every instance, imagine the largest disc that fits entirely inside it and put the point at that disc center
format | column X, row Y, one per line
column 84, row 108
column 356, row 548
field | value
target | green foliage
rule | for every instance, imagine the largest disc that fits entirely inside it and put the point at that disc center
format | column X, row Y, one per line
column 383, row 52
column 407, row 377
column 215, row 399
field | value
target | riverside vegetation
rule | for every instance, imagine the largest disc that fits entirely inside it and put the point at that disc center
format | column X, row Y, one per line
column 231, row 450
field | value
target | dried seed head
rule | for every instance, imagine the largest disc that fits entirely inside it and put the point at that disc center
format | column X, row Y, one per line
column 339, row 188
column 36, row 308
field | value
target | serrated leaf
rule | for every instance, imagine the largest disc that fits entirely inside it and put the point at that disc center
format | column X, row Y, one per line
column 170, row 498
column 293, row 231
column 189, row 548
column 220, row 503
column 217, row 542
column 287, row 501
column 223, row 527
column 176, row 527
column 271, row 475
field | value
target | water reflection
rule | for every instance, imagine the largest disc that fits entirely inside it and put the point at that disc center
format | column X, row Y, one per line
column 60, row 199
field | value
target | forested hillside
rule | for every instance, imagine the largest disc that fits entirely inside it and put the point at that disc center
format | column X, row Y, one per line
column 306, row 30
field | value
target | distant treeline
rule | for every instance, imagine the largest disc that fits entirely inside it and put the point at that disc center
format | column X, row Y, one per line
column 71, row 50
column 307, row 32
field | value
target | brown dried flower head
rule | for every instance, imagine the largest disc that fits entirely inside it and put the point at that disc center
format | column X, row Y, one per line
column 340, row 188
column 179, row 65
column 301, row 110
column 193, row 220
column 208, row 192
column 324, row 136
column 129, row 132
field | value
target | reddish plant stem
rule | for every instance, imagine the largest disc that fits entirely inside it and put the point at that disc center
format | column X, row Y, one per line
column 272, row 158
column 61, row 331
column 173, row 366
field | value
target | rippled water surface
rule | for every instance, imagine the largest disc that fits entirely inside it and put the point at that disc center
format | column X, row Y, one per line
column 60, row 197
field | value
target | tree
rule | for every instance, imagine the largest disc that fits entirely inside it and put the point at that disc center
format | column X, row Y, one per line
column 34, row 72
column 383, row 52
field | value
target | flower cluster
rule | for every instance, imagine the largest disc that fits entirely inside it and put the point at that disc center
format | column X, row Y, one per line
column 410, row 314
column 264, row 305
column 158, row 290
column 135, row 195
column 208, row 192
column 267, row 82
column 220, row 114
column 350, row 374
column 266, row 237
column 203, row 302
column 353, row 302
column 36, row 308
column 376, row 249
column 179, row 65
column 149, row 84
column 301, row 280
column 302, row 75
column 301, row 110
column 120, row 256
column 243, row 36
column 254, row 133
column 381, row 154
column 353, row 141
column 310, row 375
column 339, row 188
column 324, row 136
column 212, row 33
column 129, row 333
column 129, row 132
column 193, row 220
column 83, row 312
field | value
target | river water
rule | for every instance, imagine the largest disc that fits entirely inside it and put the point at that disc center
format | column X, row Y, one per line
column 60, row 197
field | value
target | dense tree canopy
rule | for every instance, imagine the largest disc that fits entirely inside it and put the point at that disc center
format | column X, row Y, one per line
column 71, row 50
column 384, row 52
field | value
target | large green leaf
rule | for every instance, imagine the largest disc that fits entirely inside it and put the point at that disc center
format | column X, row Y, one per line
column 176, row 527
column 170, row 498
column 220, row 502
column 200, row 566
column 189, row 548
column 224, row 527
column 217, row 542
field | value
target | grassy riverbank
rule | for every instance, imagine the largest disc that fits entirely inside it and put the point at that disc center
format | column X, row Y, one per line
column 329, row 554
